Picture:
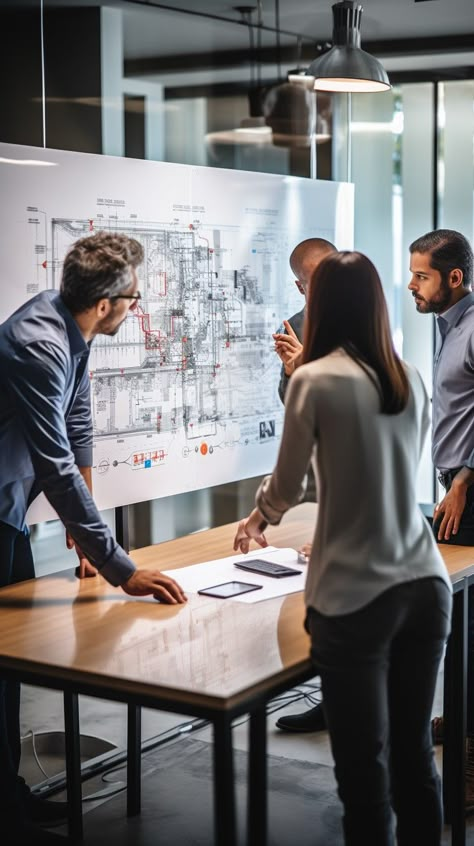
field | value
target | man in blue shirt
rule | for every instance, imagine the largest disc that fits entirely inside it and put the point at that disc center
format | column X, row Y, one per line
column 442, row 271
column 304, row 260
column 46, row 445
column 441, row 264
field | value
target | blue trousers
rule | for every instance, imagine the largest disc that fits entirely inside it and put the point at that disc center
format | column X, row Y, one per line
column 16, row 565
column 378, row 669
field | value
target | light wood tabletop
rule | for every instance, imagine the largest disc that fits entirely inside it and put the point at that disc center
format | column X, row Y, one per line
column 209, row 652
column 459, row 560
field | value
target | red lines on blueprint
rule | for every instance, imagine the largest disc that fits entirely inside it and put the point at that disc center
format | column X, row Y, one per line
column 155, row 341
column 158, row 283
column 153, row 337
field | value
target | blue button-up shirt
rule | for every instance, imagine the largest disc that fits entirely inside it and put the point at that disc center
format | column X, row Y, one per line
column 46, row 427
column 453, row 387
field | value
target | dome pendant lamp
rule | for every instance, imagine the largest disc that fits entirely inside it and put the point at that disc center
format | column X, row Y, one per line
column 346, row 67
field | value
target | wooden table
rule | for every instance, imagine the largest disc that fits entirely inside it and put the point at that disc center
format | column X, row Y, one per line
column 210, row 658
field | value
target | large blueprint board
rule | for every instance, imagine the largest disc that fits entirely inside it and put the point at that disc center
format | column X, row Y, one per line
column 185, row 396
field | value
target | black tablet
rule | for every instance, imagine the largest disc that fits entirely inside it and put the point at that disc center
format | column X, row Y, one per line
column 267, row 568
column 229, row 589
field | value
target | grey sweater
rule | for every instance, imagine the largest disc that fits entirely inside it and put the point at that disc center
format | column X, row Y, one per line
column 370, row 533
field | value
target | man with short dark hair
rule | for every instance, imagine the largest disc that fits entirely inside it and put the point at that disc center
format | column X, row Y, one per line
column 442, row 271
column 441, row 267
column 46, row 445
column 289, row 345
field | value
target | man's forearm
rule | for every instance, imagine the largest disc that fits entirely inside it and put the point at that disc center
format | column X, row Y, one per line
column 465, row 477
column 86, row 473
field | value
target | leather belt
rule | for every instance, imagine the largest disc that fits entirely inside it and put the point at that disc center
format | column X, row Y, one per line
column 447, row 476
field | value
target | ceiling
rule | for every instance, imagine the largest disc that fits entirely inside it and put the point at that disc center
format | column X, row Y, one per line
column 381, row 20
column 179, row 40
column 184, row 42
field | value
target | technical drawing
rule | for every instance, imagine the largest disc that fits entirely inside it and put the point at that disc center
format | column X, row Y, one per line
column 185, row 395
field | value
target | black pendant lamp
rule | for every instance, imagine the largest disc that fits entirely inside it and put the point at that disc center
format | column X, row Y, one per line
column 346, row 67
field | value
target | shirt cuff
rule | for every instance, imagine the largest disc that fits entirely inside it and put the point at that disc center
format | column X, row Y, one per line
column 118, row 568
column 83, row 456
column 271, row 513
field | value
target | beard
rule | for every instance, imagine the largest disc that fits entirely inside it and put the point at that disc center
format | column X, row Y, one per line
column 439, row 302
column 109, row 326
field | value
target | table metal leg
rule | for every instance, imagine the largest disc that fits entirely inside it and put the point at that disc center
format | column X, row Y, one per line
column 224, row 788
column 455, row 710
column 134, row 744
column 73, row 765
column 257, row 814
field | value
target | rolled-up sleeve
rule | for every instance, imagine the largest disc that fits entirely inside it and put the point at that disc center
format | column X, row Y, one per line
column 37, row 388
column 285, row 487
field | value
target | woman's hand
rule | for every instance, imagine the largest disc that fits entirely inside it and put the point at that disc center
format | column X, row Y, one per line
column 252, row 528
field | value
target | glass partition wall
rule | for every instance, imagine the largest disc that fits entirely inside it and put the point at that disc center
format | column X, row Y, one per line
column 409, row 151
column 411, row 160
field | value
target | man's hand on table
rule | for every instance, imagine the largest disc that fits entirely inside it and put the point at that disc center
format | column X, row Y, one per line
column 305, row 551
column 164, row 588
column 84, row 570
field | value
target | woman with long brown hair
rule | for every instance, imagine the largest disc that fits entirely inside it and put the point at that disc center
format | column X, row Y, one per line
column 378, row 595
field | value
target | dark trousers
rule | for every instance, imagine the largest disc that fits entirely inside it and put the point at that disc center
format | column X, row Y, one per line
column 16, row 565
column 465, row 533
column 465, row 537
column 378, row 670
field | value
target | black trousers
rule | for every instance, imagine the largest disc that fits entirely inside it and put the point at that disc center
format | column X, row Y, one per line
column 16, row 565
column 465, row 537
column 378, row 670
column 465, row 534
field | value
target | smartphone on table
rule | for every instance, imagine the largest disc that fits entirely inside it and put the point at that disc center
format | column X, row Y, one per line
column 266, row 568
column 229, row 589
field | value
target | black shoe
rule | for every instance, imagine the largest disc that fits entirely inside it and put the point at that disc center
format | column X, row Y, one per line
column 44, row 811
column 312, row 720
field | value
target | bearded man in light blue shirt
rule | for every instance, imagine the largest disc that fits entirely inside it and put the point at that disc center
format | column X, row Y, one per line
column 441, row 264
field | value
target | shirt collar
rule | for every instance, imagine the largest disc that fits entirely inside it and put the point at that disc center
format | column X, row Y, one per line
column 79, row 345
column 455, row 312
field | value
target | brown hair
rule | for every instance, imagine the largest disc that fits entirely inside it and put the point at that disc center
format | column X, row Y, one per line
column 347, row 308
column 98, row 267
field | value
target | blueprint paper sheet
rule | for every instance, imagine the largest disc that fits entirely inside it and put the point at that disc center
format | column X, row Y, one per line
column 185, row 396
column 209, row 573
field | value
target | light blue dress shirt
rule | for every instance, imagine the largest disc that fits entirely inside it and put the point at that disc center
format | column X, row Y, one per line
column 453, row 388
column 46, row 427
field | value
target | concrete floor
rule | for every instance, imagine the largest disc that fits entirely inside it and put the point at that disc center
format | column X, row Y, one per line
column 177, row 801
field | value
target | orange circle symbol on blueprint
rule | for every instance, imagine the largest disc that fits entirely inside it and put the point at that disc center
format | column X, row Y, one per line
column 203, row 449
